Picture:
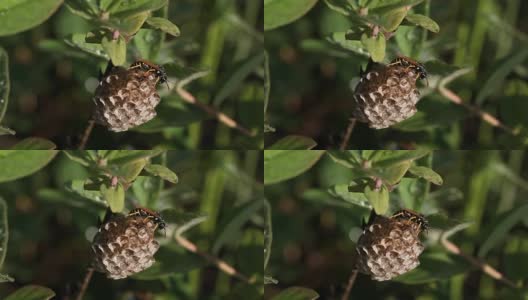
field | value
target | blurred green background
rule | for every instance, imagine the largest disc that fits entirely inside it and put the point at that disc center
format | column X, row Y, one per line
column 316, row 223
column 50, row 227
column 313, row 74
column 52, row 83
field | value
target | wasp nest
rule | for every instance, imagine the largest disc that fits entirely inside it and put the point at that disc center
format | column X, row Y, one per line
column 389, row 247
column 387, row 94
column 127, row 98
column 124, row 246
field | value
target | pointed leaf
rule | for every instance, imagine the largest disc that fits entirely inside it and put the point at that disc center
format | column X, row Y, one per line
column 423, row 21
column 379, row 198
column 34, row 143
column 31, row 292
column 131, row 170
column 132, row 8
column 293, row 142
column 115, row 196
column 281, row 12
column 19, row 163
column 280, row 165
column 297, row 293
column 427, row 174
column 163, row 172
column 375, row 46
column 116, row 49
column 21, row 15
column 164, row 25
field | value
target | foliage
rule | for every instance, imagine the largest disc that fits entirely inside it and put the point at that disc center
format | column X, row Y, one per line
column 54, row 211
column 318, row 214
column 59, row 49
column 474, row 53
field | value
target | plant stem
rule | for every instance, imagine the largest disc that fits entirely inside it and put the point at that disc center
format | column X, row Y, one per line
column 221, row 117
column 85, row 283
column 350, row 284
column 348, row 133
column 86, row 134
column 220, row 264
column 486, row 268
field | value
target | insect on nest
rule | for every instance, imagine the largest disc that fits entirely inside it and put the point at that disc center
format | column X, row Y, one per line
column 387, row 94
column 149, row 214
column 127, row 97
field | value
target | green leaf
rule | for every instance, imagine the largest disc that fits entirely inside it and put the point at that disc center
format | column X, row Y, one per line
column 21, row 15
column 392, row 174
column 131, row 170
column 342, row 40
column 281, row 12
column 375, row 46
column 106, row 5
column 164, row 25
column 82, row 157
column 349, row 159
column 280, row 165
column 169, row 262
column 342, row 191
column 231, row 230
column 116, row 49
column 147, row 189
column 293, row 142
column 84, row 8
column 19, row 163
column 234, row 81
column 163, row 172
column 114, row 196
column 427, row 174
column 392, row 19
column 4, row 82
column 130, row 25
column 297, row 293
column 34, row 143
column 423, row 21
column 501, row 229
column 148, row 43
column 386, row 158
column 378, row 198
column 383, row 9
column 119, row 157
column 31, row 292
column 4, row 232
column 78, row 187
column 132, row 8
column 78, row 41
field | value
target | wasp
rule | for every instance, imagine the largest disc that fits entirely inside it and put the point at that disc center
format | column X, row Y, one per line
column 409, row 63
column 149, row 214
column 407, row 214
column 149, row 67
